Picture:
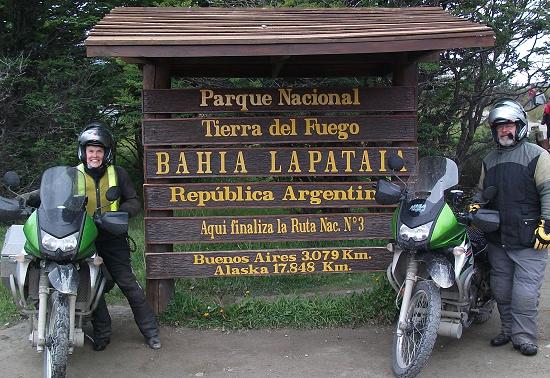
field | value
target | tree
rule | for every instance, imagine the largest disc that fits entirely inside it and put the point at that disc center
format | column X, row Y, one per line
column 49, row 88
column 457, row 90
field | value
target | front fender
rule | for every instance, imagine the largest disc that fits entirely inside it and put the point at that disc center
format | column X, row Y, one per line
column 439, row 269
column 64, row 278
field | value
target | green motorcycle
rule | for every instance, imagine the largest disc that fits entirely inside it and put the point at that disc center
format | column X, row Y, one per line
column 440, row 269
column 50, row 263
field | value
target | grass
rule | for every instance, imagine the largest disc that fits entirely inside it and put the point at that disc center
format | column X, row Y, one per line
column 305, row 301
column 8, row 311
column 194, row 306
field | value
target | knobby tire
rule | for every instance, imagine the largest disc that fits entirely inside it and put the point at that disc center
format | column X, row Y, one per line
column 56, row 352
column 412, row 350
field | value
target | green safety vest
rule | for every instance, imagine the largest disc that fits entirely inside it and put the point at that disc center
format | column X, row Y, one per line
column 96, row 195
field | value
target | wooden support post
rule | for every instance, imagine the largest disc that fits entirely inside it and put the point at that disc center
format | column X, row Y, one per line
column 405, row 73
column 159, row 292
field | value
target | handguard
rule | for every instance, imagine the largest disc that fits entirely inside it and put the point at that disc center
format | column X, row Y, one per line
column 542, row 235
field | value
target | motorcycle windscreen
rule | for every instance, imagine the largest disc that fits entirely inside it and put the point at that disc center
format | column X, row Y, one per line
column 426, row 190
column 63, row 199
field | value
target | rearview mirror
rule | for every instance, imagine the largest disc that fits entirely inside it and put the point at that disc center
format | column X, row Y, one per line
column 113, row 193
column 396, row 163
column 11, row 180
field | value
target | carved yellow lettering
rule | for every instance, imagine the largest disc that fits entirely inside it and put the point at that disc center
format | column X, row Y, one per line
column 289, row 194
column 203, row 162
column 294, row 165
column 331, row 163
column 382, row 160
column 176, row 194
column 273, row 168
column 163, row 158
column 284, row 96
column 348, row 155
column 222, row 162
column 205, row 95
column 365, row 162
column 400, row 154
column 314, row 158
column 240, row 166
column 182, row 164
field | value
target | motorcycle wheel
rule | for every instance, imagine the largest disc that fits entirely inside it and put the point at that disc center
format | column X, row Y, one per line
column 412, row 349
column 56, row 352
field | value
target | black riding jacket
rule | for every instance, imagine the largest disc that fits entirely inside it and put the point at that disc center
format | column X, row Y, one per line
column 521, row 174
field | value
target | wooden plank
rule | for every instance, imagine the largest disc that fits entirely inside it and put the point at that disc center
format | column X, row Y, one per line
column 266, row 262
column 260, row 195
column 267, row 228
column 247, row 130
column 212, row 69
column 453, row 38
column 261, row 48
column 252, row 16
column 278, row 32
column 183, row 28
column 164, row 25
column 279, row 99
column 290, row 38
column 158, row 292
column 282, row 10
column 274, row 162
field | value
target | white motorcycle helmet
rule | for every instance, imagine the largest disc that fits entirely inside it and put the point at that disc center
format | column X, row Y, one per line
column 506, row 111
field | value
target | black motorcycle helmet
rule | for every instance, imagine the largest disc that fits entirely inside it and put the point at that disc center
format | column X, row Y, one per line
column 95, row 134
column 506, row 111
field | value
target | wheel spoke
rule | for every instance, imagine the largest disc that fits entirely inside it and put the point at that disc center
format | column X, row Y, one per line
column 422, row 316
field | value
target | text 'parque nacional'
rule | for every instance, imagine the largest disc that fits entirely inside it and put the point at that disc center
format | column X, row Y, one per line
column 286, row 97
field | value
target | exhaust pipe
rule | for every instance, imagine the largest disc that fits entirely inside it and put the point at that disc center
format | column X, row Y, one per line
column 450, row 329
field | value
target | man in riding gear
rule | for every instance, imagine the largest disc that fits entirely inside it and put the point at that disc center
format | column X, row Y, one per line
column 518, row 250
column 96, row 152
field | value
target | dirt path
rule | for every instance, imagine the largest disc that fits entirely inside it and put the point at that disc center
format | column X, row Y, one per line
column 342, row 352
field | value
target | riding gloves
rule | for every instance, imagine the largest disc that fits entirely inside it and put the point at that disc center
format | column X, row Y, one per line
column 542, row 235
column 473, row 207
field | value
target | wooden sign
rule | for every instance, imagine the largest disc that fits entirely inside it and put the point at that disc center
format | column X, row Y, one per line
column 279, row 129
column 251, row 162
column 260, row 195
column 280, row 228
column 266, row 262
column 213, row 100
column 208, row 146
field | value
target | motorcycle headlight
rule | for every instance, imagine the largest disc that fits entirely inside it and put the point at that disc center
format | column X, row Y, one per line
column 66, row 244
column 417, row 234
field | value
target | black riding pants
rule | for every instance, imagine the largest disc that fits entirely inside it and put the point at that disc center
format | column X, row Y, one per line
column 116, row 257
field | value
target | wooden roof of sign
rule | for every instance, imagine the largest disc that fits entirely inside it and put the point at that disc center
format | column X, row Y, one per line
column 258, row 41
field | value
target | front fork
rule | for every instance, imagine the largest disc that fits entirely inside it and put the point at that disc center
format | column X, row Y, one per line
column 410, row 280
column 38, row 336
